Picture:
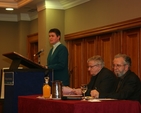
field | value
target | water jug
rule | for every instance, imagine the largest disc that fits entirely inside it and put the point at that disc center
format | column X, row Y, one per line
column 56, row 89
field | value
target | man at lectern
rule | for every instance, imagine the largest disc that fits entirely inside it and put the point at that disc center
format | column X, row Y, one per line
column 58, row 57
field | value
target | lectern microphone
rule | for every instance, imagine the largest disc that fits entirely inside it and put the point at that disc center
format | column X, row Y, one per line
column 39, row 52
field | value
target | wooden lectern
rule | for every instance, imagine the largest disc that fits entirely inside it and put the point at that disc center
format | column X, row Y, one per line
column 18, row 59
column 19, row 82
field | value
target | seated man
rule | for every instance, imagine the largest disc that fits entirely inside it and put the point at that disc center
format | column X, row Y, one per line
column 103, row 80
column 129, row 84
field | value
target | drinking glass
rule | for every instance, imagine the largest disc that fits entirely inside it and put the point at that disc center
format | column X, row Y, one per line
column 84, row 89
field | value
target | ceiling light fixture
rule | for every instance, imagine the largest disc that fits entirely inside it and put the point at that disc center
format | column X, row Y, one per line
column 9, row 9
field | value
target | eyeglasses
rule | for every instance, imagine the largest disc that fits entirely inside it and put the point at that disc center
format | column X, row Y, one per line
column 93, row 66
column 118, row 65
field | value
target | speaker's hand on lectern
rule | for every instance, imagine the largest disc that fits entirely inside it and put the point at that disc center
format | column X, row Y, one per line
column 46, row 67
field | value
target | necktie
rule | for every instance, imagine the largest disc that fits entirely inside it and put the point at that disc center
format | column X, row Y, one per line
column 53, row 50
column 119, row 84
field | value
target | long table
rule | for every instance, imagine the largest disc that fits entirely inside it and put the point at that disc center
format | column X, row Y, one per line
column 32, row 104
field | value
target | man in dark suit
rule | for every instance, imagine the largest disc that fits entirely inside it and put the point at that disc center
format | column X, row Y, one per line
column 129, row 84
column 103, row 80
column 58, row 57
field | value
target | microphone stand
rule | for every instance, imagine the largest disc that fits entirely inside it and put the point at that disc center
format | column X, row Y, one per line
column 38, row 55
column 38, row 58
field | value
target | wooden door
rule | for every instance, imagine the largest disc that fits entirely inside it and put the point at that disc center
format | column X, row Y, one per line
column 76, row 55
column 90, row 50
column 32, row 41
column 105, row 48
column 131, row 45
column 108, row 46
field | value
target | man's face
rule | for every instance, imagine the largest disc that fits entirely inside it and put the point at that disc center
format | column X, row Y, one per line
column 120, row 68
column 93, row 67
column 53, row 38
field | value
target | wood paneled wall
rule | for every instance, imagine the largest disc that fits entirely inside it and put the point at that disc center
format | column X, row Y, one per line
column 107, row 41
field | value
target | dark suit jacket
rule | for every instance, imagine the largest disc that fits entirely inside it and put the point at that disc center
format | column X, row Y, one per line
column 58, row 61
column 103, row 82
column 130, row 88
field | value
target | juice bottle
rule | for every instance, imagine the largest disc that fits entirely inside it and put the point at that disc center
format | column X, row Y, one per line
column 46, row 88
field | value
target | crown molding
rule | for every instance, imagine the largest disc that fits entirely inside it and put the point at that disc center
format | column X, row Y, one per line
column 8, row 17
column 19, row 17
column 14, row 4
column 72, row 3
column 41, row 6
column 23, row 2
column 53, row 5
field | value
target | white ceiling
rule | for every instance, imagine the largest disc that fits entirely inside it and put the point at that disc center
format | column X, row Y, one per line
column 27, row 6
column 28, row 9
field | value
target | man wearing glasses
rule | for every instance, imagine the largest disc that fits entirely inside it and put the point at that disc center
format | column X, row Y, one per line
column 129, row 84
column 103, row 80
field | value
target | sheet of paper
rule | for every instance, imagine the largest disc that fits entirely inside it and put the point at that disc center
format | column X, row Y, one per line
column 67, row 90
